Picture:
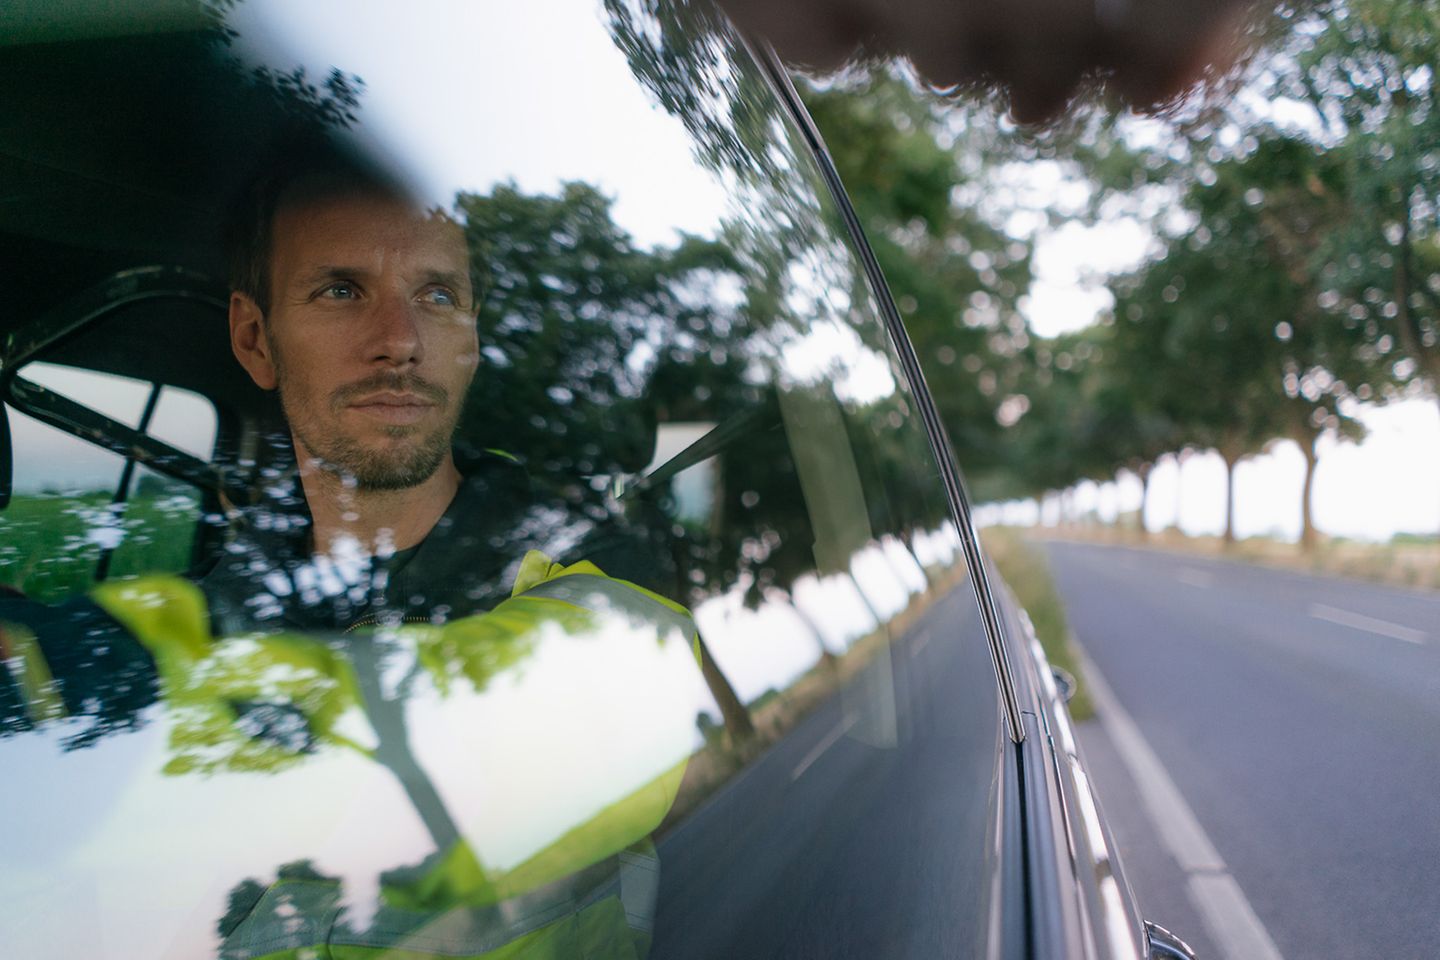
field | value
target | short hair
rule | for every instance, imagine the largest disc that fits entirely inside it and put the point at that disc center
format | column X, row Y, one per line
column 307, row 175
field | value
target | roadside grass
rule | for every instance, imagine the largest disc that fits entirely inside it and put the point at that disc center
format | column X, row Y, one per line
column 1025, row 569
column 49, row 545
column 1406, row 561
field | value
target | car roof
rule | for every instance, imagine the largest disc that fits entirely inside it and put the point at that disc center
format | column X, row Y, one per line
column 116, row 167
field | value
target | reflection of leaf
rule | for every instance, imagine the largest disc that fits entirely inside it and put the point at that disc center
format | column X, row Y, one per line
column 685, row 55
column 439, row 882
column 480, row 648
column 301, row 902
column 332, row 102
column 239, row 904
column 257, row 704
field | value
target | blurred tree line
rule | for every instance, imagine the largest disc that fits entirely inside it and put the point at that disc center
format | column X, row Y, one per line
column 1294, row 270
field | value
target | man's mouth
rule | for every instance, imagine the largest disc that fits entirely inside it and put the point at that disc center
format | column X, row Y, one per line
column 394, row 401
column 393, row 408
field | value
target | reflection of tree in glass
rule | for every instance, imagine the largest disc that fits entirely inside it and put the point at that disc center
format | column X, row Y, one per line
column 99, row 678
column 955, row 276
column 685, row 55
column 577, row 326
column 333, row 102
column 573, row 317
column 301, row 875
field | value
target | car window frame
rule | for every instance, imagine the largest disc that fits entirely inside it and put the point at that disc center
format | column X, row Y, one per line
column 778, row 78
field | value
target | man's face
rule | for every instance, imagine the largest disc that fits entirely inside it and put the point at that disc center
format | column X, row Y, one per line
column 371, row 331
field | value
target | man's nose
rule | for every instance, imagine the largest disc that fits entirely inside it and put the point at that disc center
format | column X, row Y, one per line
column 395, row 333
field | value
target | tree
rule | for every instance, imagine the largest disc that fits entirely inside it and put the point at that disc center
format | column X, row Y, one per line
column 580, row 328
column 955, row 276
column 1367, row 68
column 1202, row 371
column 571, row 310
column 1236, row 299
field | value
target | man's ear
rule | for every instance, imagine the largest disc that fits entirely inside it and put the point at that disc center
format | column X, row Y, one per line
column 247, row 340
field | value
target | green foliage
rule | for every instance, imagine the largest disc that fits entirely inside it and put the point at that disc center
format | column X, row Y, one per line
column 955, row 276
column 1369, row 72
column 50, row 545
column 570, row 304
column 1298, row 271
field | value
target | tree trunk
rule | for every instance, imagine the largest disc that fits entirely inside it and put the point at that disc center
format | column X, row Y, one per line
column 826, row 657
column 732, row 711
column 908, row 539
column 1231, row 459
column 392, row 747
column 1308, row 537
column 1179, row 487
column 879, row 620
column 1144, row 471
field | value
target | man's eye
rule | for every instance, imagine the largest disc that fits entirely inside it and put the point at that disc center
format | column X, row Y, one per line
column 441, row 297
column 340, row 290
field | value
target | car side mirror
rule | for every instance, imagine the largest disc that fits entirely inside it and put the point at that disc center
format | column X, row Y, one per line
column 1161, row 944
column 1064, row 683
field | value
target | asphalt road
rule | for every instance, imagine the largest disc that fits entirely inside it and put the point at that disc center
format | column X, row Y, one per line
column 1300, row 718
column 862, row 833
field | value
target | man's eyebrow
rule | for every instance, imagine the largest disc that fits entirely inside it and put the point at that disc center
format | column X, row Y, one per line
column 328, row 272
column 450, row 278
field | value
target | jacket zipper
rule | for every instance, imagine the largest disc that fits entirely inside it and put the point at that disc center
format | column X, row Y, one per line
column 369, row 620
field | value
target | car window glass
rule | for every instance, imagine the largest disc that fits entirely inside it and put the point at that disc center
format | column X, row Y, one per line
column 185, row 420
column 690, row 665
column 76, row 515
column 122, row 398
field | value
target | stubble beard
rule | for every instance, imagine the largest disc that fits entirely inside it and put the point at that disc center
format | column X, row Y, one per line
column 400, row 467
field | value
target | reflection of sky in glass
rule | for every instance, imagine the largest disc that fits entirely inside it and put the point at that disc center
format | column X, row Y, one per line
column 582, row 722
column 828, row 345
column 876, row 575
column 768, row 648
column 533, row 93
column 758, row 650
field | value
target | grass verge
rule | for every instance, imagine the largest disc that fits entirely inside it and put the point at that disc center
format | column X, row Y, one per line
column 1025, row 569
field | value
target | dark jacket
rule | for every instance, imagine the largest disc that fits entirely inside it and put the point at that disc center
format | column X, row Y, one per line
column 267, row 578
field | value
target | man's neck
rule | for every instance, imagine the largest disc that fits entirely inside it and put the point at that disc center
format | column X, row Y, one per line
column 377, row 522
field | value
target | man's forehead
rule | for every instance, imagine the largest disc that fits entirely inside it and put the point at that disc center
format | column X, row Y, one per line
column 357, row 222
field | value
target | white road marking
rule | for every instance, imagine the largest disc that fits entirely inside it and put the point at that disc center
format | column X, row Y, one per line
column 1196, row 578
column 1229, row 919
column 815, row 753
column 920, row 642
column 1359, row 621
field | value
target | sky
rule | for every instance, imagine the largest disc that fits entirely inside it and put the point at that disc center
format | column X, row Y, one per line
column 510, row 92
column 1388, row 483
